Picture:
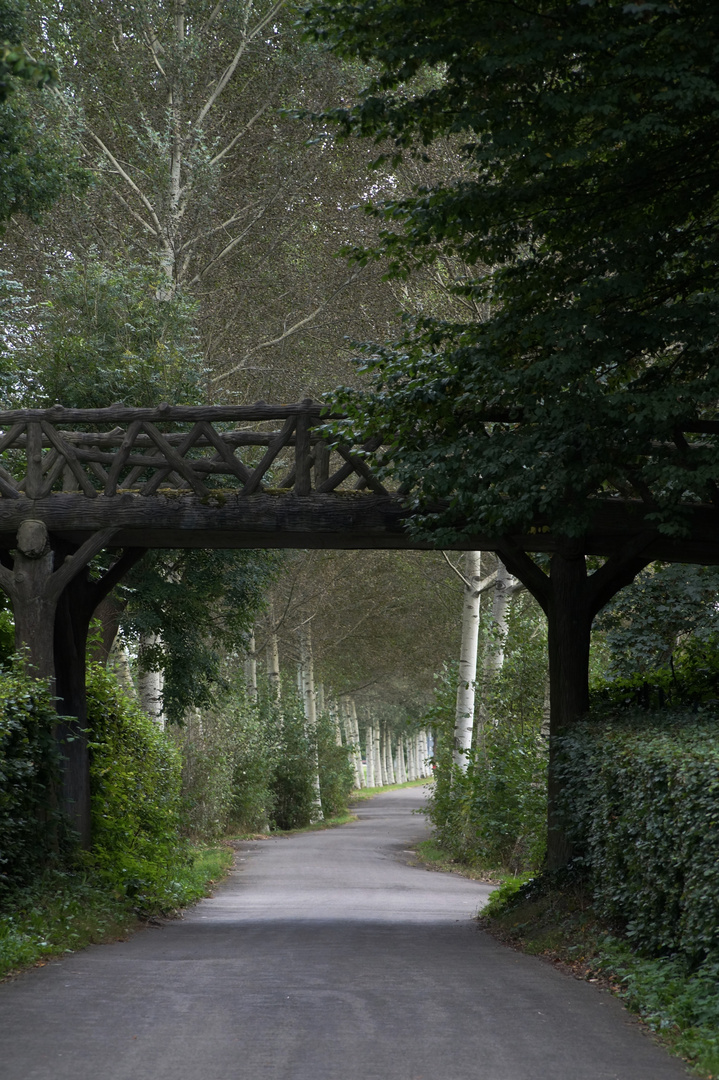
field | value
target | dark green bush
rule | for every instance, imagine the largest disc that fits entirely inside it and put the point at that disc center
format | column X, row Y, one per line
column 135, row 780
column 690, row 679
column 293, row 790
column 30, row 832
column 641, row 805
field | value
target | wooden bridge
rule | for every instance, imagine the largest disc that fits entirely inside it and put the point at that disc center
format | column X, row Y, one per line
column 76, row 481
column 239, row 476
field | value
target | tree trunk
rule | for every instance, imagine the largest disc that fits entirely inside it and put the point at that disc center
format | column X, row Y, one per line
column 150, row 685
column 379, row 764
column 251, row 668
column 310, row 707
column 119, row 663
column 464, row 714
column 351, row 715
column 392, row 779
column 334, row 715
column 369, row 756
column 273, row 661
column 401, row 767
column 494, row 659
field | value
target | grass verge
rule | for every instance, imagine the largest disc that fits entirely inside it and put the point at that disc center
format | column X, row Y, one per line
column 316, row 826
column 65, row 911
column 680, row 1006
column 435, row 858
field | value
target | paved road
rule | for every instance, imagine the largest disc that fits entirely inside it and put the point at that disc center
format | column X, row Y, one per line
column 324, row 957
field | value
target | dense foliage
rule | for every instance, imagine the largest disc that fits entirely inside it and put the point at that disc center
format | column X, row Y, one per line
column 250, row 766
column 580, row 226
column 36, row 167
column 136, row 779
column 30, row 833
column 640, row 804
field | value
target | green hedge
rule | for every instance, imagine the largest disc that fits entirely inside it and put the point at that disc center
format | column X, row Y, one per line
column 641, row 805
column 135, row 775
column 30, row 834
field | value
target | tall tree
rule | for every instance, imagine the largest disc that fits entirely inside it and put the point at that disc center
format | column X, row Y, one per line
column 586, row 212
column 177, row 111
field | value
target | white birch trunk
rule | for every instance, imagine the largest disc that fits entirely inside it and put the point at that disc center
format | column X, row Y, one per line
column 390, row 763
column 386, row 768
column 251, row 668
column 273, row 663
column 401, row 770
column 464, row 714
column 411, row 774
column 422, row 755
column 379, row 778
column 359, row 769
column 320, row 696
column 307, row 684
column 119, row 663
column 369, row 756
column 494, row 659
column 150, row 686
column 334, row 714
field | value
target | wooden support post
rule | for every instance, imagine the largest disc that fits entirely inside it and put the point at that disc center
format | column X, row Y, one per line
column 570, row 599
column 53, row 599
column 303, row 475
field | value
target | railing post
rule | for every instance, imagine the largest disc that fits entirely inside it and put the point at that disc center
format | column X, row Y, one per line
column 303, row 477
column 33, row 477
column 322, row 462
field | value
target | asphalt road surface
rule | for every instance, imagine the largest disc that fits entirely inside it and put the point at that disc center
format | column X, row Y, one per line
column 325, row 956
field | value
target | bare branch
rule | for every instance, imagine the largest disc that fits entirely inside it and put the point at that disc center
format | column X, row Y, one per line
column 217, row 228
column 238, row 136
column 151, row 42
column 138, row 217
column 128, row 179
column 235, row 241
column 232, row 66
column 290, row 331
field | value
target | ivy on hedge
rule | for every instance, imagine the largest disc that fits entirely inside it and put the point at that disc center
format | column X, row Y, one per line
column 641, row 805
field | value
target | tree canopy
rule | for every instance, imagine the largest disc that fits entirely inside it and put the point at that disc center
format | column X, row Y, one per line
column 585, row 214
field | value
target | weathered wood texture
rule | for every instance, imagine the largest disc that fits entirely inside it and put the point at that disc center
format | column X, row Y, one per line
column 44, row 452
column 245, row 476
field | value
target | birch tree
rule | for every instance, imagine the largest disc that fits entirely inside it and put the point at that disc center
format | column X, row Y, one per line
column 309, row 700
column 175, row 109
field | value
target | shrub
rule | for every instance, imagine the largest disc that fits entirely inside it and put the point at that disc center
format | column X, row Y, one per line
column 336, row 773
column 641, row 805
column 31, row 833
column 135, row 783
column 226, row 767
column 494, row 814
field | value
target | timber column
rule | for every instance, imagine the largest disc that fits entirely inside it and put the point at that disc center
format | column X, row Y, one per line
column 35, row 586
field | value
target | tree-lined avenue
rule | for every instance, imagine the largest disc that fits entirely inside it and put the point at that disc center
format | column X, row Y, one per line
column 324, row 956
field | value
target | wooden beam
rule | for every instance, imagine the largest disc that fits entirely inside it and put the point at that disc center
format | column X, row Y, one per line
column 340, row 520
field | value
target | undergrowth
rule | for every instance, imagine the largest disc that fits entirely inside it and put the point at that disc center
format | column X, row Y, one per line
column 63, row 911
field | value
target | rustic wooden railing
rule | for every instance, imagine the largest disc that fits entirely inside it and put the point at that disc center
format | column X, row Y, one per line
column 200, row 449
